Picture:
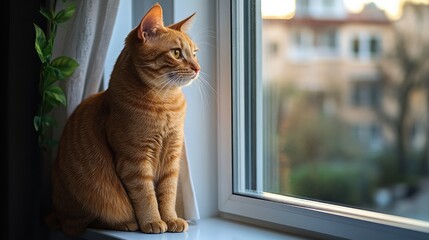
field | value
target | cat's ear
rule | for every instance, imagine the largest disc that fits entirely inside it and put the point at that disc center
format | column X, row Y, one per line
column 151, row 23
column 183, row 25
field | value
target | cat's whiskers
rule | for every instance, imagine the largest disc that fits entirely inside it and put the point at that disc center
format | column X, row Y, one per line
column 160, row 76
column 160, row 89
column 201, row 95
column 207, row 44
column 203, row 79
column 204, row 33
column 152, row 89
column 168, row 82
column 205, row 83
column 204, row 36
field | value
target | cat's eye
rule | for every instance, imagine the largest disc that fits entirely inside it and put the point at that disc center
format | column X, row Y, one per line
column 195, row 53
column 177, row 53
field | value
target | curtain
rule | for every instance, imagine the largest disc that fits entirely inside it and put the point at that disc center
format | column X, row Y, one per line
column 86, row 38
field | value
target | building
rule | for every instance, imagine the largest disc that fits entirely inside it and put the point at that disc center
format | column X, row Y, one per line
column 335, row 56
column 326, row 61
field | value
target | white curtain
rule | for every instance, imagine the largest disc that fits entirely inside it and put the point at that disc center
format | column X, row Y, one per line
column 86, row 38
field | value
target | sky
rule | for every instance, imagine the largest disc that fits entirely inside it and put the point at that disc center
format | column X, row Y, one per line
column 286, row 8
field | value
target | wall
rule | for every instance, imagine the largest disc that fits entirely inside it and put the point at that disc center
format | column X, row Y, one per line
column 201, row 121
column 123, row 26
column 25, row 179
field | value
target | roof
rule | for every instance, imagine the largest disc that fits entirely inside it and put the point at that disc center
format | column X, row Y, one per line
column 370, row 14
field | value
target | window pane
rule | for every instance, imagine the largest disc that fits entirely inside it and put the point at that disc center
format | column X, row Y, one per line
column 345, row 103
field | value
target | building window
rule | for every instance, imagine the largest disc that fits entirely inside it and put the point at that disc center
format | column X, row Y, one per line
column 374, row 47
column 366, row 46
column 292, row 164
column 303, row 7
column 331, row 39
column 328, row 3
column 297, row 39
column 326, row 41
column 369, row 136
column 355, row 47
column 365, row 94
column 303, row 38
column 418, row 137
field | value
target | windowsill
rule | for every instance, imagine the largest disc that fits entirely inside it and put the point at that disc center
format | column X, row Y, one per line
column 207, row 229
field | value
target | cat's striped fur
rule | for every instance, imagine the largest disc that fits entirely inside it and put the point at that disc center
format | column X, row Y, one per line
column 118, row 159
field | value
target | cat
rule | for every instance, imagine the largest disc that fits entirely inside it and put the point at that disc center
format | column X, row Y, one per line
column 118, row 160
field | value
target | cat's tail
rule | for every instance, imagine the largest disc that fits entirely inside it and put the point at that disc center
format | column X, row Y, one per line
column 53, row 221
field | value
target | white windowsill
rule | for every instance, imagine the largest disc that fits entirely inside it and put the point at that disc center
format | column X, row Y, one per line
column 206, row 229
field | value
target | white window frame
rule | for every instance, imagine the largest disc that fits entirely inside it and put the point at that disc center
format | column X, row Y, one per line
column 322, row 218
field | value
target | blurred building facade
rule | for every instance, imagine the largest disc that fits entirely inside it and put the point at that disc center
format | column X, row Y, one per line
column 336, row 57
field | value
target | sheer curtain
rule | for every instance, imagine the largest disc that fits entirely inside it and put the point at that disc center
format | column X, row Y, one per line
column 86, row 38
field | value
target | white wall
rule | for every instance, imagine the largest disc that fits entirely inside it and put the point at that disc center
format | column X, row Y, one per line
column 121, row 29
column 201, row 121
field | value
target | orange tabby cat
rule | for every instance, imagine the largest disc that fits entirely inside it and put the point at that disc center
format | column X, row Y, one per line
column 118, row 159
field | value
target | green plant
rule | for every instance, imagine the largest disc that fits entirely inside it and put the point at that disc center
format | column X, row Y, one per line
column 339, row 182
column 387, row 168
column 51, row 71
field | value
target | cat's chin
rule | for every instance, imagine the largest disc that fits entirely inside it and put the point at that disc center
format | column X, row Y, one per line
column 187, row 82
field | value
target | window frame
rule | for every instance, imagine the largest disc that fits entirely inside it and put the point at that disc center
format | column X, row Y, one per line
column 283, row 211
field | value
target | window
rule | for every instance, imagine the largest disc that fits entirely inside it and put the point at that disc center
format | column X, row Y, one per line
column 328, row 3
column 297, row 39
column 302, row 42
column 370, row 136
column 417, row 136
column 326, row 41
column 365, row 94
column 303, row 39
column 303, row 7
column 291, row 163
column 355, row 47
column 374, row 47
column 366, row 46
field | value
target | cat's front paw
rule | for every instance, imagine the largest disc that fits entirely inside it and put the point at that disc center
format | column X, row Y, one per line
column 177, row 225
column 154, row 227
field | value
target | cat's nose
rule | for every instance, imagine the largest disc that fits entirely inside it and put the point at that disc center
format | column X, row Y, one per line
column 196, row 68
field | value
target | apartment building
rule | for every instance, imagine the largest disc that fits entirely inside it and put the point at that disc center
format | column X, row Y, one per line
column 336, row 57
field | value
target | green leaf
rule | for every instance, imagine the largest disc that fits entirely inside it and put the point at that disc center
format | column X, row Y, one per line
column 65, row 14
column 52, row 75
column 47, row 51
column 37, row 122
column 48, row 14
column 65, row 64
column 49, row 80
column 56, row 96
column 40, row 42
column 48, row 121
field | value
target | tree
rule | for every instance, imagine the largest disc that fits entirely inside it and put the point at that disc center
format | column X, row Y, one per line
column 403, row 72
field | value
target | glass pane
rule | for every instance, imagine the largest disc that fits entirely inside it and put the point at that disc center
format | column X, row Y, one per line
column 346, row 103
